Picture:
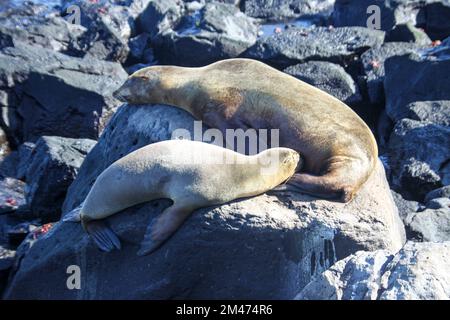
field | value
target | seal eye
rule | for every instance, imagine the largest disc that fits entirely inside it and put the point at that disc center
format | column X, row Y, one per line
column 144, row 78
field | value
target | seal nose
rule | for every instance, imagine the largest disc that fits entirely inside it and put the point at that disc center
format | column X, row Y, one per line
column 123, row 93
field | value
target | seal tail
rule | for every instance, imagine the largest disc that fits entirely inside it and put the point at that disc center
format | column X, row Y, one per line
column 103, row 236
column 162, row 228
column 74, row 215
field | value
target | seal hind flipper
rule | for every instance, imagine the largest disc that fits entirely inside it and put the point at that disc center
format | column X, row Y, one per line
column 103, row 236
column 295, row 187
column 162, row 228
column 328, row 186
column 74, row 215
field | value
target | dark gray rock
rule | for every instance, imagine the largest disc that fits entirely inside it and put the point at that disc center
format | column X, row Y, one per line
column 431, row 224
column 438, row 203
column 94, row 37
column 52, row 33
column 419, row 158
column 266, row 247
column 138, row 45
column 408, row 33
column 437, row 112
column 25, row 154
column 4, row 146
column 30, row 235
column 12, row 195
column 217, row 31
column 439, row 51
column 297, row 45
column 49, row 93
column 18, row 232
column 328, row 77
column 109, row 25
column 383, row 131
column 420, row 271
column 409, row 79
column 405, row 207
column 425, row 223
column 282, row 9
column 437, row 19
column 52, row 168
column 16, row 164
column 443, row 192
column 354, row 13
column 160, row 16
column 431, row 15
column 6, row 262
column 374, row 70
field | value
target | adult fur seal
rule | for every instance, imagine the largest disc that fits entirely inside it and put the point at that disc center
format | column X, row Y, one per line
column 172, row 169
column 338, row 149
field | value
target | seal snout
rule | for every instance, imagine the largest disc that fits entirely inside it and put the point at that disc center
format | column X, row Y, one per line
column 123, row 93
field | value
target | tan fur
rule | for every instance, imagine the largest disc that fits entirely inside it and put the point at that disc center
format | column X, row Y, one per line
column 338, row 148
column 155, row 172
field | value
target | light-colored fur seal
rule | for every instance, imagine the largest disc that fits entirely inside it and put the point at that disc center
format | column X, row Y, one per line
column 338, row 149
column 192, row 174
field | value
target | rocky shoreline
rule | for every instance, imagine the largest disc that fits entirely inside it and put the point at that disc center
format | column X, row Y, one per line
column 61, row 126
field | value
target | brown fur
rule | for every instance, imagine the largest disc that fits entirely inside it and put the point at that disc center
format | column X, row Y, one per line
column 338, row 149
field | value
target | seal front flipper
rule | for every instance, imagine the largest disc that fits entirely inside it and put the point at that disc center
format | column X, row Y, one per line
column 162, row 228
column 103, row 236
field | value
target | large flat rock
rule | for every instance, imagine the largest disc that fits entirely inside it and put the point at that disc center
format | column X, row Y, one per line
column 265, row 247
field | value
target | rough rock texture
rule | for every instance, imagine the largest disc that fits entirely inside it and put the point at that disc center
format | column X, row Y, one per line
column 16, row 164
column 419, row 157
column 431, row 224
column 52, row 168
column 160, row 16
column 328, row 77
column 118, row 16
column 437, row 22
column 354, row 13
column 408, row 33
column 48, row 93
column 216, row 31
column 437, row 112
column 431, row 15
column 406, row 207
column 12, row 194
column 267, row 247
column 412, row 78
column 281, row 9
column 443, row 192
column 6, row 262
column 438, row 203
column 373, row 63
column 296, row 45
column 439, row 51
column 420, row 271
column 138, row 46
column 4, row 147
column 94, row 37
